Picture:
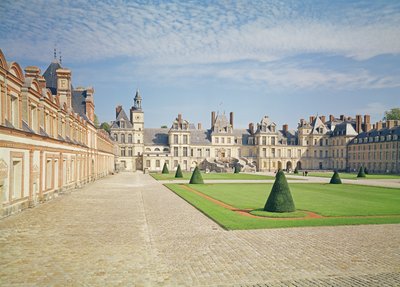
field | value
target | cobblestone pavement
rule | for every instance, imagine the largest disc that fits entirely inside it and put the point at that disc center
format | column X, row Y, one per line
column 129, row 230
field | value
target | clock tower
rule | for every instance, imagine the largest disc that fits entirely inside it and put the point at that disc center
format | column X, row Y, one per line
column 137, row 121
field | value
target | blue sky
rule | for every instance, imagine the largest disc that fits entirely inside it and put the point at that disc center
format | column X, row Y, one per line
column 284, row 59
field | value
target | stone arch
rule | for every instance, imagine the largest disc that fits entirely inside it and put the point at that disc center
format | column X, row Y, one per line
column 289, row 165
column 3, row 62
column 298, row 165
column 16, row 70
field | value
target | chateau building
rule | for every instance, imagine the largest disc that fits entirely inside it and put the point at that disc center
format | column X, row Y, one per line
column 48, row 140
column 316, row 144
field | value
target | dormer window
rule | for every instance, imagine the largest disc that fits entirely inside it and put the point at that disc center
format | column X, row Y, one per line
column 122, row 124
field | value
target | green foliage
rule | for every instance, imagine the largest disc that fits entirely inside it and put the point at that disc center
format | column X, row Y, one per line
column 296, row 170
column 105, row 126
column 237, row 169
column 335, row 178
column 178, row 173
column 196, row 177
column 96, row 121
column 361, row 172
column 164, row 127
column 165, row 169
column 280, row 198
column 365, row 170
column 393, row 114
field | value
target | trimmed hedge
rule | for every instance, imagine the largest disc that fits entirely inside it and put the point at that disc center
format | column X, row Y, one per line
column 178, row 173
column 237, row 169
column 196, row 177
column 361, row 172
column 165, row 169
column 335, row 178
column 296, row 170
column 280, row 199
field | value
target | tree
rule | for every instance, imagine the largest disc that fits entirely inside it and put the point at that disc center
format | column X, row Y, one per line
column 296, row 170
column 361, row 172
column 392, row 114
column 196, row 177
column 164, row 127
column 96, row 121
column 165, row 169
column 178, row 173
column 335, row 178
column 105, row 126
column 237, row 169
column 280, row 199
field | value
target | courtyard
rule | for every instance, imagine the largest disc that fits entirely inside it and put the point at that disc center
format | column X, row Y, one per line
column 130, row 230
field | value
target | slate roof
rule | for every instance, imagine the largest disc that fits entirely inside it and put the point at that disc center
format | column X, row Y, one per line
column 345, row 128
column 381, row 132
column 78, row 103
column 155, row 136
column 50, row 76
column 121, row 116
column 200, row 137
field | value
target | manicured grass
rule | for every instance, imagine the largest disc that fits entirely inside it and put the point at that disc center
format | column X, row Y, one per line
column 260, row 212
column 211, row 176
column 345, row 175
column 351, row 203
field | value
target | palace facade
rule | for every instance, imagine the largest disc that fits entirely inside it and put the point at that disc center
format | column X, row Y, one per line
column 48, row 140
column 319, row 143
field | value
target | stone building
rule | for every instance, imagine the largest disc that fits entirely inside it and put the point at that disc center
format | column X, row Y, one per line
column 316, row 144
column 48, row 141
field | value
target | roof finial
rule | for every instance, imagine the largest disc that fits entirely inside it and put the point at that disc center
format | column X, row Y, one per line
column 55, row 53
column 60, row 58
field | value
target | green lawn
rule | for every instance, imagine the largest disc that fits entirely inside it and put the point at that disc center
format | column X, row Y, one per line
column 207, row 176
column 352, row 175
column 350, row 203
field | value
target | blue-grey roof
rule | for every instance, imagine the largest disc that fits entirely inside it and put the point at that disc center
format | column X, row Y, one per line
column 50, row 76
column 344, row 129
column 155, row 136
column 200, row 137
column 78, row 103
column 121, row 116
column 382, row 132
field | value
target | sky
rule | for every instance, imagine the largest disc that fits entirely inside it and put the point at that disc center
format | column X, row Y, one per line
column 284, row 59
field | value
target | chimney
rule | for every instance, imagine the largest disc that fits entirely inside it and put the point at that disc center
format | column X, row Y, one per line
column 212, row 119
column 117, row 110
column 231, row 119
column 251, row 128
column 390, row 124
column 367, row 123
column 342, row 117
column 42, row 82
column 331, row 118
column 358, row 123
column 32, row 72
column 379, row 125
column 180, row 120
column 323, row 119
column 199, row 127
column 285, row 128
column 312, row 118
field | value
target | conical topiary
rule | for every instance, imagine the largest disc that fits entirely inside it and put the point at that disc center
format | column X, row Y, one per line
column 365, row 170
column 237, row 169
column 280, row 199
column 196, row 177
column 165, row 169
column 296, row 170
column 361, row 172
column 336, row 178
column 178, row 173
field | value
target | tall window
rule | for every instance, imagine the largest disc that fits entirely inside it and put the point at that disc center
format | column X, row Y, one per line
column 157, row 163
column 185, row 151
column 129, row 151
column 175, row 139
column 208, row 152
column 123, row 151
column 14, row 111
column 273, row 140
column 185, row 139
column 129, row 138
column 116, row 137
column 175, row 151
column 34, row 118
column 123, row 138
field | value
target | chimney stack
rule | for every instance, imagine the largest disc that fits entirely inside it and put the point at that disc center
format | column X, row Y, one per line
column 342, row 117
column 180, row 120
column 390, row 124
column 117, row 110
column 199, row 127
column 212, row 119
column 367, row 123
column 32, row 72
column 312, row 119
column 379, row 125
column 331, row 118
column 231, row 119
column 251, row 128
column 285, row 128
column 358, row 123
column 323, row 119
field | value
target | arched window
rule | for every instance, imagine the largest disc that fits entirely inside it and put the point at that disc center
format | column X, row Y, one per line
column 123, row 138
column 129, row 138
column 116, row 137
column 157, row 149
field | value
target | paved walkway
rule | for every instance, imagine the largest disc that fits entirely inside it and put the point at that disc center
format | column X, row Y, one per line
column 128, row 230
